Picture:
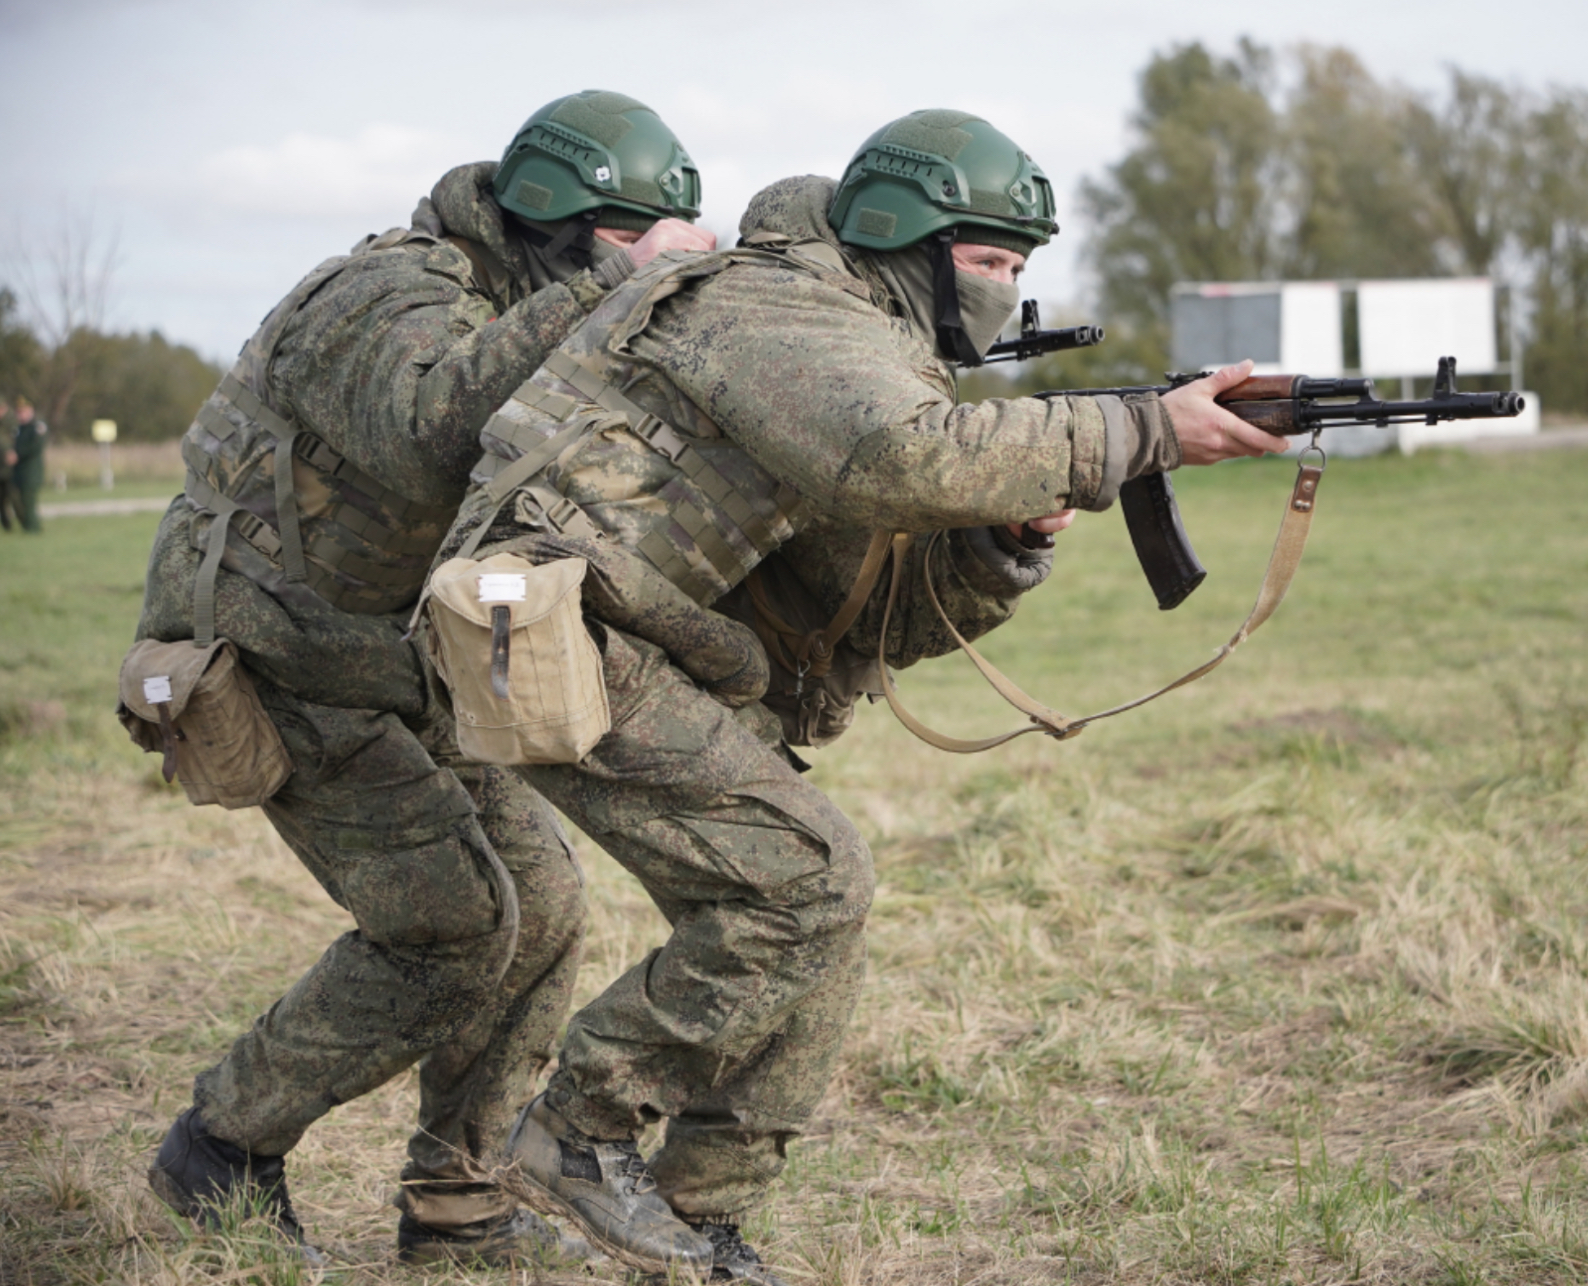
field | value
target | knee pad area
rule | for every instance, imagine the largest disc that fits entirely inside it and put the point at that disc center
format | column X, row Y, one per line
column 437, row 889
column 850, row 879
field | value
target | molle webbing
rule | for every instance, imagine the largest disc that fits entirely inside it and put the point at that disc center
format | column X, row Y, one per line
column 664, row 439
column 234, row 391
column 336, row 564
column 511, row 475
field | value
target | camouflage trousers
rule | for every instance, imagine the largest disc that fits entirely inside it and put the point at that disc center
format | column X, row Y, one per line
column 732, row 1028
column 469, row 905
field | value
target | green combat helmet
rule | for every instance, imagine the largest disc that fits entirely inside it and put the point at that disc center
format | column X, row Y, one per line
column 943, row 175
column 592, row 157
column 934, row 170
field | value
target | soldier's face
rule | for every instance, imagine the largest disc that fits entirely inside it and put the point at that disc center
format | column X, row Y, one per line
column 620, row 237
column 991, row 262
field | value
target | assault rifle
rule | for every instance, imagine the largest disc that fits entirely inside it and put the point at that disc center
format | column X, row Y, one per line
column 1282, row 404
column 1034, row 341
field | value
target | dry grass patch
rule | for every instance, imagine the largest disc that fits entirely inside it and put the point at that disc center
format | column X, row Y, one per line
column 1284, row 980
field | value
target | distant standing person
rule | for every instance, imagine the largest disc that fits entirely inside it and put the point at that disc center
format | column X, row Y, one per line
column 26, row 457
column 8, row 458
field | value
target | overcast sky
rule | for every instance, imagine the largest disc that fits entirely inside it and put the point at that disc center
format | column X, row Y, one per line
column 233, row 145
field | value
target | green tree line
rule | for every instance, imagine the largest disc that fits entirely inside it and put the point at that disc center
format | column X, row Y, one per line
column 148, row 385
column 1265, row 166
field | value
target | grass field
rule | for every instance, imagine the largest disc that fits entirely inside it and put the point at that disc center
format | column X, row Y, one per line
column 1283, row 979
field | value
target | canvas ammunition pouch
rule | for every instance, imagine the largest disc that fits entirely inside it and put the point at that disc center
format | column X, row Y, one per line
column 314, row 516
column 509, row 640
column 197, row 707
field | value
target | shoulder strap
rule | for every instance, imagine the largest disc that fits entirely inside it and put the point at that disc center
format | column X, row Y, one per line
column 285, row 432
column 1282, row 564
column 811, row 652
column 507, row 480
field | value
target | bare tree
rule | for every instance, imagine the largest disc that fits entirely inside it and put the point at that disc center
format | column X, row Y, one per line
column 63, row 281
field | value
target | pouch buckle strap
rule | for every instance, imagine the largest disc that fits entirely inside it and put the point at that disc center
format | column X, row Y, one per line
column 509, row 478
column 501, row 636
column 285, row 432
column 250, row 526
column 170, row 734
column 328, row 460
column 204, row 584
column 562, row 513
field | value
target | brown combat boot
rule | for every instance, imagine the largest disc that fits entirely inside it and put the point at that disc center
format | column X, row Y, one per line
column 605, row 1186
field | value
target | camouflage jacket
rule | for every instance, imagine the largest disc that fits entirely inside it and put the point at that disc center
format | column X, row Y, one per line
column 395, row 362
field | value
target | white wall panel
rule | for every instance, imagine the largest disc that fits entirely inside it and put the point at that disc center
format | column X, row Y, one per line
column 1407, row 326
column 1310, row 341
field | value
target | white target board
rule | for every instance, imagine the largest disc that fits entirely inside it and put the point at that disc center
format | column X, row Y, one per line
column 1290, row 326
column 1407, row 326
column 1310, row 336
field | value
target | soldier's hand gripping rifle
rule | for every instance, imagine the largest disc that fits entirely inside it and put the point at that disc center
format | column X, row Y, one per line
column 1288, row 405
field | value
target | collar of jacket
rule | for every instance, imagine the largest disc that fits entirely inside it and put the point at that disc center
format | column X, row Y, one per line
column 462, row 205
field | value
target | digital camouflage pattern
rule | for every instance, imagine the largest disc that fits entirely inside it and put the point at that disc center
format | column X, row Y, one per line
column 465, row 890
column 732, row 1028
column 806, row 377
column 469, row 905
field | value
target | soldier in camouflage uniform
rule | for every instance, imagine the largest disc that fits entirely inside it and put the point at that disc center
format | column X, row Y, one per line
column 745, row 422
column 323, row 474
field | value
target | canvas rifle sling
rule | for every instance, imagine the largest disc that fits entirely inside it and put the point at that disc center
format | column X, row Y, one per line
column 1282, row 565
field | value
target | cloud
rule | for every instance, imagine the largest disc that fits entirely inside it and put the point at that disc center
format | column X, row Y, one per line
column 370, row 173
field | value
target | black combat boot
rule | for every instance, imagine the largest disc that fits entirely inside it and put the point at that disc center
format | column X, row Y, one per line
column 732, row 1258
column 197, row 1174
column 606, row 1188
column 517, row 1239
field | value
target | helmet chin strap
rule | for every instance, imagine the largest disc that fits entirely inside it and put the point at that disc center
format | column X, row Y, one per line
column 951, row 336
column 574, row 239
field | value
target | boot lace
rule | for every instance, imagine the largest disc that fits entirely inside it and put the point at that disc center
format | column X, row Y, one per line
column 636, row 1174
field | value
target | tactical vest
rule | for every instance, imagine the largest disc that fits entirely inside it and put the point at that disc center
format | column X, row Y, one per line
column 582, row 457
column 313, row 514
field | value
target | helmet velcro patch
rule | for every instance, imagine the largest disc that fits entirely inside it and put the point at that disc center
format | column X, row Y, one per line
column 641, row 190
column 876, row 223
column 611, row 102
column 935, row 132
column 607, row 128
column 996, row 203
column 533, row 195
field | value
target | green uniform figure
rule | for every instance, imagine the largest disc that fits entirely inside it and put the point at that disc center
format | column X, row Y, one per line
column 323, row 474
column 7, row 459
column 743, row 423
column 27, row 474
